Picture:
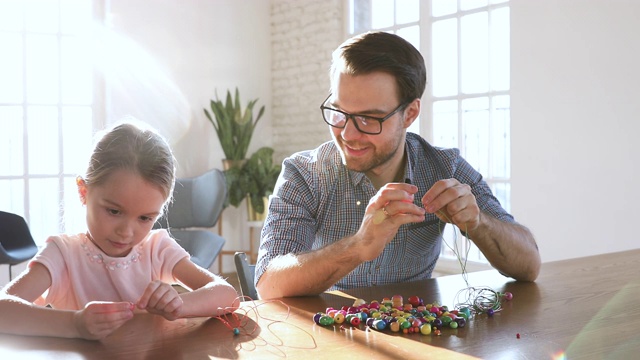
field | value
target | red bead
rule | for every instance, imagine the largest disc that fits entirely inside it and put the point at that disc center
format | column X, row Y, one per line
column 414, row 300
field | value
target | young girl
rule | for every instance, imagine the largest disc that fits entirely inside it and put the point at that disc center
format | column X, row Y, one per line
column 95, row 281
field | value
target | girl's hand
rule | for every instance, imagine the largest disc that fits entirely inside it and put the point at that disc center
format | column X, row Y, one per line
column 99, row 319
column 161, row 299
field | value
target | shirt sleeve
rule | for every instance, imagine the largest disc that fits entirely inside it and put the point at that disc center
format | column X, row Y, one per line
column 291, row 220
column 51, row 256
column 165, row 254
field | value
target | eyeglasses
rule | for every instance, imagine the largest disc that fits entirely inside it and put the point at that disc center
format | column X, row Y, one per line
column 365, row 124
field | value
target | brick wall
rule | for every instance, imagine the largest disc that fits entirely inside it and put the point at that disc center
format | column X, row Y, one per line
column 304, row 33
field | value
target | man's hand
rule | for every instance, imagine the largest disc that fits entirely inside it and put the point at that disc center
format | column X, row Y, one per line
column 453, row 202
column 390, row 208
column 161, row 299
column 99, row 319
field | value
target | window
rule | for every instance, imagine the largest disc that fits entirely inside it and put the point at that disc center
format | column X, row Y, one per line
column 46, row 110
column 468, row 102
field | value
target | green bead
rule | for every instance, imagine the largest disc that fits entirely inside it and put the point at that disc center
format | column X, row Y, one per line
column 326, row 320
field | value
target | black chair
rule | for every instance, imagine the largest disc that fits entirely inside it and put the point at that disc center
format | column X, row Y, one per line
column 246, row 275
column 197, row 204
column 16, row 242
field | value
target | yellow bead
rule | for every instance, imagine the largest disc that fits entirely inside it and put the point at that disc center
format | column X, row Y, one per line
column 425, row 329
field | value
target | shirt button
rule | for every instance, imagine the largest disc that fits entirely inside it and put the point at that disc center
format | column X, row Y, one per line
column 358, row 203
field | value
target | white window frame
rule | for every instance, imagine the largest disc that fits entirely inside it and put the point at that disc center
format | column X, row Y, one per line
column 27, row 206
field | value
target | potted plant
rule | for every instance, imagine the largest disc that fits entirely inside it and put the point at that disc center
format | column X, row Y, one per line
column 254, row 180
column 261, row 176
column 233, row 124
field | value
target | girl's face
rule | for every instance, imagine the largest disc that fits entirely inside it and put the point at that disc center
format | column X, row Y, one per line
column 121, row 211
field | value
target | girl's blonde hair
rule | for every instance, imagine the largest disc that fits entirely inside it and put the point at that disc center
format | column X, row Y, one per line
column 131, row 147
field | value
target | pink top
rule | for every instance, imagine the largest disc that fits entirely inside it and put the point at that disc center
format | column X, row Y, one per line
column 81, row 272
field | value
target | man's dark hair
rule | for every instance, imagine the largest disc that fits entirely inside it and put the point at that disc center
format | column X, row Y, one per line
column 380, row 51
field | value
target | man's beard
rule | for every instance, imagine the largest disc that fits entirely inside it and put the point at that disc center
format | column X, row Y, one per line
column 375, row 161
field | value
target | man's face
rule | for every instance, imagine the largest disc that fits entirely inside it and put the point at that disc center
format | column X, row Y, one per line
column 375, row 95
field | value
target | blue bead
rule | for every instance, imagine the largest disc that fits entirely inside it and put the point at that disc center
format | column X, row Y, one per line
column 379, row 324
column 236, row 331
column 363, row 316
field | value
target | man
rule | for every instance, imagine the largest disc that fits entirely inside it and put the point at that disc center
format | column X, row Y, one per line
column 368, row 208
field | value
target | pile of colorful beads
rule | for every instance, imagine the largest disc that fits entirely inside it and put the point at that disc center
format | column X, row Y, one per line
column 393, row 314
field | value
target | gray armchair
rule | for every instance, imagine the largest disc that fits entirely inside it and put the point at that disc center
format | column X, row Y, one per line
column 197, row 205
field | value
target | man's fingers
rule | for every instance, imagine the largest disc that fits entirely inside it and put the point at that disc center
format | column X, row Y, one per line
column 446, row 193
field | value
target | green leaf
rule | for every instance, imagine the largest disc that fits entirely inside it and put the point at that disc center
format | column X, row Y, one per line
column 234, row 125
column 254, row 180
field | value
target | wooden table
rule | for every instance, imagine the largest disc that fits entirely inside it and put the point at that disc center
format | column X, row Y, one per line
column 586, row 308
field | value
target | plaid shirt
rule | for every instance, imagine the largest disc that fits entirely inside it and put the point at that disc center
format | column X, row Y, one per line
column 317, row 201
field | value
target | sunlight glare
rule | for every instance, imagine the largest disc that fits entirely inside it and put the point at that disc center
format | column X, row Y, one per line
column 139, row 86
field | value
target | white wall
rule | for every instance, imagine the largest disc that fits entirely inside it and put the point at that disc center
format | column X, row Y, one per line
column 194, row 48
column 575, row 109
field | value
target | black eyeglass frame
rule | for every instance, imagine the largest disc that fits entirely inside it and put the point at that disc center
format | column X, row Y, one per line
column 348, row 116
